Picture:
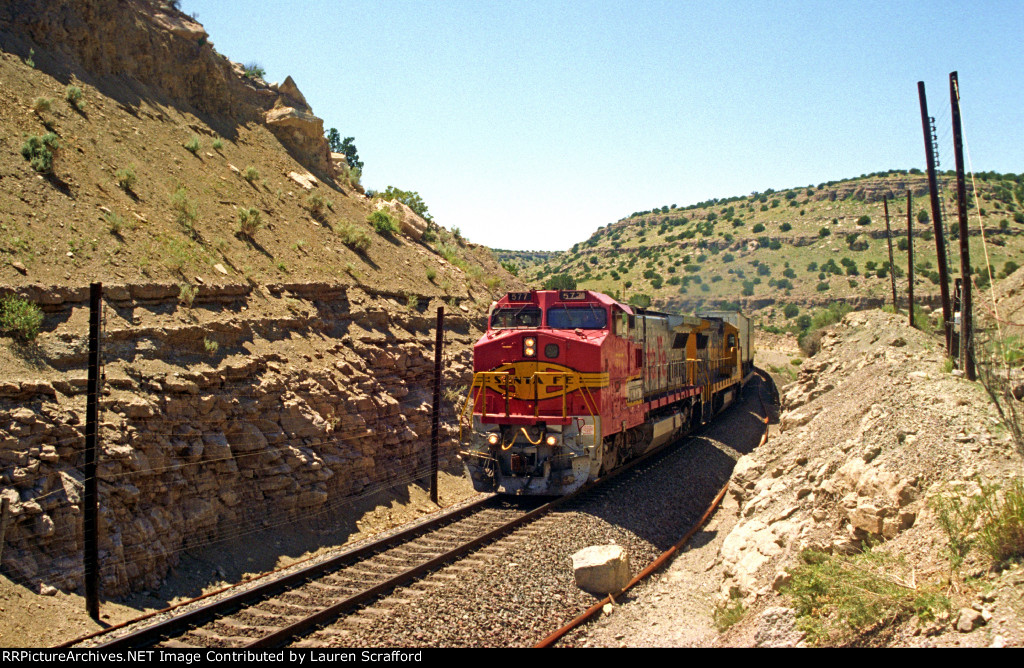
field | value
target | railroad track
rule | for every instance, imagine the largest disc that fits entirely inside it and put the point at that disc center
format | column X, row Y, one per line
column 369, row 580
column 277, row 611
column 283, row 610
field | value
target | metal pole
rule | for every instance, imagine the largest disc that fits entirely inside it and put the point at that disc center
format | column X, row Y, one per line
column 940, row 240
column 966, row 344
column 910, row 260
column 888, row 239
column 4, row 521
column 438, row 345
column 90, row 509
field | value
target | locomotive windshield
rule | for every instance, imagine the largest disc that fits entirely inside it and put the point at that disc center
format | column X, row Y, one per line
column 510, row 318
column 577, row 317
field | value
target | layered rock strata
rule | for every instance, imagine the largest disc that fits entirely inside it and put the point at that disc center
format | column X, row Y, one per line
column 248, row 408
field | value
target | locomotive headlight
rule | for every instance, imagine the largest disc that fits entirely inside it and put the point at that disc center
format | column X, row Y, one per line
column 529, row 347
column 493, row 439
column 551, row 440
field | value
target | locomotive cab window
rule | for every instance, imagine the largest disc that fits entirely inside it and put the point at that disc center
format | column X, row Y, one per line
column 511, row 318
column 577, row 317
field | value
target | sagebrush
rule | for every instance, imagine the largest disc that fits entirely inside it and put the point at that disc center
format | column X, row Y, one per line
column 20, row 318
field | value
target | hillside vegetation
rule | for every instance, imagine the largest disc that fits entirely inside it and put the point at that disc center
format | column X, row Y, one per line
column 122, row 167
column 802, row 246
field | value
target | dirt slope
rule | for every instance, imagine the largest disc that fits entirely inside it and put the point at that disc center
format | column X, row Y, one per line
column 873, row 432
column 199, row 142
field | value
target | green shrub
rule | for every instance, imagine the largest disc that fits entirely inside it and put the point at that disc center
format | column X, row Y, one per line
column 218, row 144
column 384, row 223
column 431, row 274
column 187, row 294
column 115, row 222
column 730, row 612
column 192, row 144
column 837, row 597
column 1002, row 534
column 411, row 199
column 125, row 178
column 993, row 523
column 254, row 70
column 184, row 210
column 41, row 104
column 248, row 221
column 640, row 300
column 20, row 318
column 40, row 150
column 251, row 174
column 356, row 239
column 73, row 95
column 317, row 205
column 561, row 282
column 864, row 220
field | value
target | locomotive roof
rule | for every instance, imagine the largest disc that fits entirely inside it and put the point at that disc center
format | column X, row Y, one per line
column 546, row 298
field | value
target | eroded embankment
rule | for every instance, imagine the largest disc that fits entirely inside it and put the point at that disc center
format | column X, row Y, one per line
column 240, row 408
column 873, row 431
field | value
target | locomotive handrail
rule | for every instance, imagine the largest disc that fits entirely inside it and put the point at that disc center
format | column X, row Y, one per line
column 561, row 378
column 588, row 399
column 480, row 380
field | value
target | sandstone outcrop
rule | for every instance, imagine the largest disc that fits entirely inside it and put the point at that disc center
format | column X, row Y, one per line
column 412, row 225
column 168, row 57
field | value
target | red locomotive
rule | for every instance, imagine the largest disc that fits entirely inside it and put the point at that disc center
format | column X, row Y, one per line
column 569, row 384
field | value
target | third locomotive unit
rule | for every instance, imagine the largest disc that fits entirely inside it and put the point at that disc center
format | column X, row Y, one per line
column 569, row 384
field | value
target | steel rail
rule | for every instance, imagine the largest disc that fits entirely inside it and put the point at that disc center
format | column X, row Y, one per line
column 171, row 626
column 174, row 625
column 287, row 633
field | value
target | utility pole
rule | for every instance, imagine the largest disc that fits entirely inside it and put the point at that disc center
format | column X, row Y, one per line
column 930, row 146
column 888, row 238
column 436, row 412
column 910, row 259
column 90, row 497
column 966, row 342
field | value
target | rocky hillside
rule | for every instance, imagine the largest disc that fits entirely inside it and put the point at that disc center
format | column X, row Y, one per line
column 805, row 246
column 875, row 477
column 169, row 162
column 268, row 346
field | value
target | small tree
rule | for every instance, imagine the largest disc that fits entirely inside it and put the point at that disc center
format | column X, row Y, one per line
column 560, row 282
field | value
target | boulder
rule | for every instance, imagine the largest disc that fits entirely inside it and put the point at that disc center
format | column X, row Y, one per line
column 411, row 224
column 302, row 133
column 306, row 180
column 601, row 569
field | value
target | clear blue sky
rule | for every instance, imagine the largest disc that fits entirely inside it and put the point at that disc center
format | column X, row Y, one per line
column 530, row 124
